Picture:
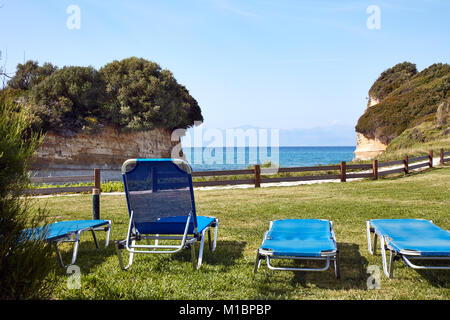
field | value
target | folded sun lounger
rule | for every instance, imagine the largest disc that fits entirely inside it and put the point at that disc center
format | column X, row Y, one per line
column 161, row 207
column 69, row 231
column 409, row 239
column 299, row 239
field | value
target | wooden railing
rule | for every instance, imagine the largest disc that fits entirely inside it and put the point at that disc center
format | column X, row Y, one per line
column 258, row 175
column 71, row 179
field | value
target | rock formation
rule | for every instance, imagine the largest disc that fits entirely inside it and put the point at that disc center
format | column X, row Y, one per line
column 366, row 147
column 401, row 99
column 107, row 150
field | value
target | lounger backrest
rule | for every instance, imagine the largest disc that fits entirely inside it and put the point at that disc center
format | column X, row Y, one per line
column 158, row 188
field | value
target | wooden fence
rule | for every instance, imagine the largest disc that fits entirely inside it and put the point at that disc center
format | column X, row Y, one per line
column 259, row 175
column 71, row 179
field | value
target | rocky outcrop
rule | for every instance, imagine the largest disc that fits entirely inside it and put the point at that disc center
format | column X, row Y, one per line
column 372, row 101
column 401, row 99
column 107, row 150
column 368, row 148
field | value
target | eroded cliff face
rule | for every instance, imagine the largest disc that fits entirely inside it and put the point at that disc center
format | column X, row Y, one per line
column 368, row 148
column 107, row 150
column 372, row 101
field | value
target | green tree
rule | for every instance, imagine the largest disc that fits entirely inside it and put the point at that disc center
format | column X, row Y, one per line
column 68, row 99
column 141, row 96
column 30, row 74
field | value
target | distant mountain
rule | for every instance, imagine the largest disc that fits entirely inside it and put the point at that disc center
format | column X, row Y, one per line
column 336, row 135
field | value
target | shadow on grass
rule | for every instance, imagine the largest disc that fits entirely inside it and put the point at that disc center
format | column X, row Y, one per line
column 89, row 257
column 436, row 278
column 353, row 268
column 226, row 253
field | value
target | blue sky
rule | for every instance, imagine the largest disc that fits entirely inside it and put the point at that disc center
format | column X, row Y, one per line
column 265, row 63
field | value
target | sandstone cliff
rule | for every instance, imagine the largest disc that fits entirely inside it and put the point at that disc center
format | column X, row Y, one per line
column 107, row 150
column 366, row 147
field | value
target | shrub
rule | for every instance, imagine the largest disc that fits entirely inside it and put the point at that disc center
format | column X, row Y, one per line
column 133, row 94
column 141, row 96
column 66, row 99
column 25, row 260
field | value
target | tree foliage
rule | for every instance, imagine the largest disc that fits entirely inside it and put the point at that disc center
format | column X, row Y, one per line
column 142, row 96
column 391, row 79
column 67, row 99
column 30, row 74
column 132, row 94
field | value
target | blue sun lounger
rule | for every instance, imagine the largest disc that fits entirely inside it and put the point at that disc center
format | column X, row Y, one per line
column 299, row 239
column 69, row 231
column 409, row 239
column 161, row 207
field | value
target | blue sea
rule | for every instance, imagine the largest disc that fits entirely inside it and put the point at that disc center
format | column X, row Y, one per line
column 203, row 159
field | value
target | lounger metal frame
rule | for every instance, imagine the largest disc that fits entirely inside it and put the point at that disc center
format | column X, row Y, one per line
column 327, row 256
column 405, row 255
column 186, row 241
column 75, row 238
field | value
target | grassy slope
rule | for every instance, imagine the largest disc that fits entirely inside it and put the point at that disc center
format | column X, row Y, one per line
column 244, row 217
column 417, row 141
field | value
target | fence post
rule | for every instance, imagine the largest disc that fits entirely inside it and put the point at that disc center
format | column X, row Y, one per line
column 405, row 162
column 430, row 159
column 97, row 178
column 442, row 156
column 375, row 169
column 96, row 204
column 96, row 195
column 257, row 172
column 343, row 173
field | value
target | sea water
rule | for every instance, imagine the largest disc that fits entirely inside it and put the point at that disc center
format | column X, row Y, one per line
column 202, row 159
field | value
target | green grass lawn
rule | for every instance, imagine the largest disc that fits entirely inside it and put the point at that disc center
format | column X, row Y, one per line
column 244, row 216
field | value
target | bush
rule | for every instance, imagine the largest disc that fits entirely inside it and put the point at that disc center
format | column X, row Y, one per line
column 25, row 260
column 68, row 99
column 141, row 96
column 392, row 79
column 133, row 94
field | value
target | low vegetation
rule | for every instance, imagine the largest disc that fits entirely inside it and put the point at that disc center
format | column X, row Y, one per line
column 26, row 261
